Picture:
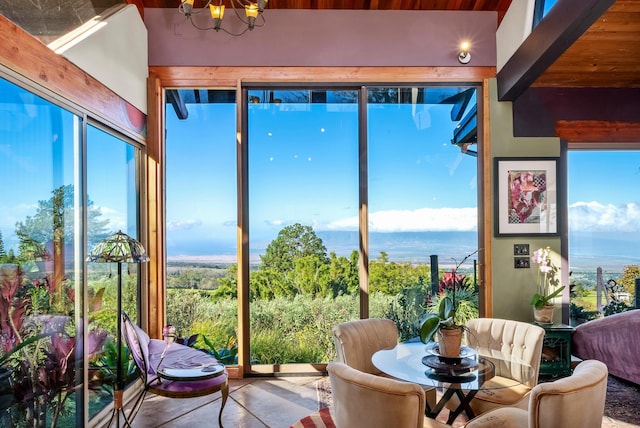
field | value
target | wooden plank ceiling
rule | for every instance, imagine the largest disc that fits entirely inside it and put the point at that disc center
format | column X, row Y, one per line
column 607, row 55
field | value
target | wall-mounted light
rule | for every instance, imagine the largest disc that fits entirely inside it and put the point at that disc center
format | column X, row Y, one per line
column 252, row 11
column 464, row 56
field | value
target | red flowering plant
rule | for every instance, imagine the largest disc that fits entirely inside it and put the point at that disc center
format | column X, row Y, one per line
column 455, row 303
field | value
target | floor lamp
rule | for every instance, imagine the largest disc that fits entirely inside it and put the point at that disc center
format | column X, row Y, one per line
column 118, row 248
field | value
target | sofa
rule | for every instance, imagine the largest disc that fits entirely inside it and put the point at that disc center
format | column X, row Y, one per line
column 614, row 340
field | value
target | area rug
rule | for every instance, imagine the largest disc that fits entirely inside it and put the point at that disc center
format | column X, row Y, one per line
column 320, row 419
column 622, row 404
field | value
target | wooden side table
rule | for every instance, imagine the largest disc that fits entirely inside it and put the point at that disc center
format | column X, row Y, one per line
column 556, row 350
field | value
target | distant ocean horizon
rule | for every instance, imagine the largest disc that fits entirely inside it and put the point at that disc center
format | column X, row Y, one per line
column 588, row 250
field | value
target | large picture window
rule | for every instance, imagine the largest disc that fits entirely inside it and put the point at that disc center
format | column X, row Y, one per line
column 604, row 236
column 322, row 196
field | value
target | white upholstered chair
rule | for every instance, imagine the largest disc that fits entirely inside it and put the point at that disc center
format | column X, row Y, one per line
column 518, row 339
column 357, row 341
column 363, row 400
column 576, row 401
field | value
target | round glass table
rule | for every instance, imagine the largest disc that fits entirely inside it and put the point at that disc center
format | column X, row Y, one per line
column 464, row 376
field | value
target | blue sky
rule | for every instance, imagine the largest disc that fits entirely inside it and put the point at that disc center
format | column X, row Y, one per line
column 603, row 192
column 303, row 168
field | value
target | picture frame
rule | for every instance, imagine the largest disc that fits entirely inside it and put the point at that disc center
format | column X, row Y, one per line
column 526, row 196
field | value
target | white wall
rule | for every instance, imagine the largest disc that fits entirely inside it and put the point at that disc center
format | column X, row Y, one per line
column 513, row 30
column 112, row 48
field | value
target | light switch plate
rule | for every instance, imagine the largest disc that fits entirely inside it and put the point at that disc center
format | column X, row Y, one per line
column 521, row 249
column 521, row 262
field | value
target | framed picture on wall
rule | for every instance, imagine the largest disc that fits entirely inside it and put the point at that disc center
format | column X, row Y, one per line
column 526, row 196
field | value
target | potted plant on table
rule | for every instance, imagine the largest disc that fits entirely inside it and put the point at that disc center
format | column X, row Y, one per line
column 451, row 312
column 548, row 288
column 443, row 324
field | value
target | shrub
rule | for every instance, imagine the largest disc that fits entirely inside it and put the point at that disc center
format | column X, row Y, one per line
column 615, row 307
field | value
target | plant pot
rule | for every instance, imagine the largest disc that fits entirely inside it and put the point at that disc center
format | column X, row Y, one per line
column 544, row 315
column 449, row 341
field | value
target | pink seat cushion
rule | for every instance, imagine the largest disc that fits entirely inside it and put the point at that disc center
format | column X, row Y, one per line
column 188, row 388
column 178, row 356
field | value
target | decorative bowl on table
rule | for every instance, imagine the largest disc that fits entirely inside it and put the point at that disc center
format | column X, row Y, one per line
column 462, row 365
column 432, row 349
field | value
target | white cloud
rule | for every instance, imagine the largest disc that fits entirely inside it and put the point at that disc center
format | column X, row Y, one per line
column 420, row 220
column 117, row 219
column 183, row 225
column 596, row 217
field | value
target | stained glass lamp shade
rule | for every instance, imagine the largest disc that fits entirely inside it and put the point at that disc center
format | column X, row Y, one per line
column 118, row 248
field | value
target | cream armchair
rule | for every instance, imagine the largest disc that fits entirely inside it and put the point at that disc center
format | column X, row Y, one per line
column 518, row 339
column 576, row 401
column 363, row 400
column 357, row 341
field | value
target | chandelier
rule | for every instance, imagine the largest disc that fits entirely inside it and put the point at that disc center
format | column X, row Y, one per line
column 252, row 11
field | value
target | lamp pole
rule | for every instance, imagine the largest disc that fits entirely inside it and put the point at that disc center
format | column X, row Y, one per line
column 118, row 248
column 119, row 386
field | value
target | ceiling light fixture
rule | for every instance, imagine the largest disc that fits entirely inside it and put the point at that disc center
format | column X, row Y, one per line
column 252, row 11
column 464, row 56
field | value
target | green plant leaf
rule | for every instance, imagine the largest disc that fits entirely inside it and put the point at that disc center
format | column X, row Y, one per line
column 446, row 309
column 21, row 345
column 429, row 326
column 555, row 293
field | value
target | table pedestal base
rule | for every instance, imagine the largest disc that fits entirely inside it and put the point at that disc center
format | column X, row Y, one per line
column 464, row 405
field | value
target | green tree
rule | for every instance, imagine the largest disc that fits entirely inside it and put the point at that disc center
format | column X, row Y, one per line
column 391, row 277
column 267, row 284
column 343, row 274
column 3, row 253
column 227, row 285
column 294, row 263
column 628, row 279
column 54, row 221
column 293, row 243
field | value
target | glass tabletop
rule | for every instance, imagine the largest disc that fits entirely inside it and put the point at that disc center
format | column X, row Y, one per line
column 419, row 363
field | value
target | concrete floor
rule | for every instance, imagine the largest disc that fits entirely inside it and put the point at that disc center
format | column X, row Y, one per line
column 253, row 402
column 279, row 402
